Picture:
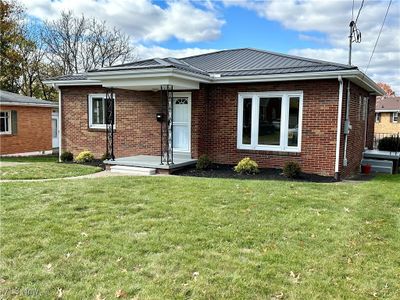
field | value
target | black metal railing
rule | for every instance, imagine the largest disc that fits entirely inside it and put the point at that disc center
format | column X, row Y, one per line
column 110, row 118
column 166, row 125
column 395, row 140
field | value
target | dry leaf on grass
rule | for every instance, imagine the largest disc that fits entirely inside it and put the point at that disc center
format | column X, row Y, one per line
column 277, row 296
column 295, row 278
column 121, row 294
column 59, row 293
column 99, row 297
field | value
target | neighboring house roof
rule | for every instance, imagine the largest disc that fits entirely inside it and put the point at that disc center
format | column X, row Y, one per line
column 236, row 65
column 8, row 98
column 387, row 104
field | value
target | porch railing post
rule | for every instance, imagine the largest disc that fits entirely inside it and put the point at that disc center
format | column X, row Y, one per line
column 109, row 120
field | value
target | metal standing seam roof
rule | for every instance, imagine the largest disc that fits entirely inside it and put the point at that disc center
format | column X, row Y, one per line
column 235, row 62
column 17, row 99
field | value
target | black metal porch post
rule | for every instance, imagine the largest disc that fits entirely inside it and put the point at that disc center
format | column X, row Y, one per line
column 109, row 119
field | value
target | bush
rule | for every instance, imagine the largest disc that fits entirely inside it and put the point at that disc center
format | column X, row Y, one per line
column 203, row 163
column 390, row 143
column 247, row 166
column 66, row 156
column 292, row 169
column 84, row 157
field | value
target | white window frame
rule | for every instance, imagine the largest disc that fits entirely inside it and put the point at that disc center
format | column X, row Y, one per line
column 9, row 131
column 255, row 96
column 395, row 113
column 90, row 110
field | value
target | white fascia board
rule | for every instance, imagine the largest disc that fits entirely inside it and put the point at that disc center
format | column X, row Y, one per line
column 165, row 72
column 58, row 83
column 150, row 82
column 28, row 104
column 387, row 110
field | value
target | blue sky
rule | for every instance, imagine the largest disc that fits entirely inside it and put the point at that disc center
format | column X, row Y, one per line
column 310, row 28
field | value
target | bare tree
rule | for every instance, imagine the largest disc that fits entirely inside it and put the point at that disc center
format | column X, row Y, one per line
column 76, row 44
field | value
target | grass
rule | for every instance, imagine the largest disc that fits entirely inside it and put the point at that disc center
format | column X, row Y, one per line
column 30, row 159
column 196, row 238
column 42, row 167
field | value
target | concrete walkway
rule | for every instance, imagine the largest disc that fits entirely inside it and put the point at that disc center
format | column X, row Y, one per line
column 89, row 176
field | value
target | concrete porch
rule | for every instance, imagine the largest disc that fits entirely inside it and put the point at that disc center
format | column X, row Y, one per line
column 152, row 162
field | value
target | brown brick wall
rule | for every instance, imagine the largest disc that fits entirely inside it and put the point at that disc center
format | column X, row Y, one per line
column 357, row 137
column 214, row 124
column 136, row 128
column 33, row 131
column 318, row 133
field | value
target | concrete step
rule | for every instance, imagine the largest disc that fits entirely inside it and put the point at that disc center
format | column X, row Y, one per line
column 132, row 170
column 379, row 166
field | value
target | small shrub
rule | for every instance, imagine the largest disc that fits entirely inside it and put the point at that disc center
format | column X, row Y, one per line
column 66, row 156
column 247, row 166
column 292, row 169
column 84, row 157
column 203, row 163
column 389, row 143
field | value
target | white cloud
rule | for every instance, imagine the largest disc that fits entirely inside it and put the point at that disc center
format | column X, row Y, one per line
column 142, row 19
column 144, row 52
column 331, row 18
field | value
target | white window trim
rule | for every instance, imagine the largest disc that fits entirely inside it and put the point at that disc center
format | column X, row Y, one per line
column 395, row 113
column 283, row 147
column 9, row 131
column 90, row 110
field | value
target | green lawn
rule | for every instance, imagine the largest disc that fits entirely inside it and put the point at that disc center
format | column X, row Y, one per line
column 42, row 167
column 196, row 238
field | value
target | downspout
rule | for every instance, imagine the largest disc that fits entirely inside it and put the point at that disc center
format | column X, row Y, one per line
column 59, row 122
column 347, row 125
column 339, row 128
column 366, row 116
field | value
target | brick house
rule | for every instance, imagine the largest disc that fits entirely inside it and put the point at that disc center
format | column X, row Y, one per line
column 27, row 125
column 387, row 113
column 229, row 105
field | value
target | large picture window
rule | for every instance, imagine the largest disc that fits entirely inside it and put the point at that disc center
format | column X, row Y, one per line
column 97, row 111
column 270, row 121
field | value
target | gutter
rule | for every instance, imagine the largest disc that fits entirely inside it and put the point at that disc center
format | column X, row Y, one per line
column 5, row 103
column 339, row 128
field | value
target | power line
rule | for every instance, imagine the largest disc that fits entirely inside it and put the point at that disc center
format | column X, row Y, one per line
column 377, row 39
column 359, row 10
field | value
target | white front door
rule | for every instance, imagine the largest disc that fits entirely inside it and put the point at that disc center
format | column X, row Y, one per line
column 181, row 122
column 54, row 125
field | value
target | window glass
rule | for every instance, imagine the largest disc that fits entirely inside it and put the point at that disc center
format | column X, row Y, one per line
column 269, row 126
column 246, row 136
column 98, row 111
column 293, row 130
column 395, row 117
column 4, row 122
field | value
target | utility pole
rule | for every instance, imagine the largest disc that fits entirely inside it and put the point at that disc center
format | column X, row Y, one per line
column 351, row 25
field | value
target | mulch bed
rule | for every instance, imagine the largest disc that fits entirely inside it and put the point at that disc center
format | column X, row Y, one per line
column 226, row 171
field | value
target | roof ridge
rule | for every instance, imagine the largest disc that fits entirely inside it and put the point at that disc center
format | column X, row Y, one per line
column 186, row 64
column 301, row 58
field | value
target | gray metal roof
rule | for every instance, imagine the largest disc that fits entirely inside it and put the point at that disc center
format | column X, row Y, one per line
column 235, row 62
column 16, row 99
